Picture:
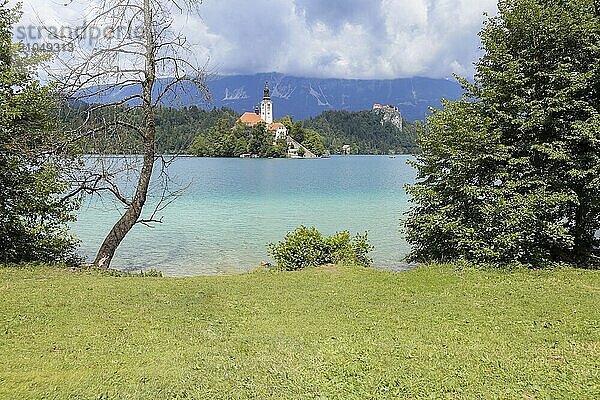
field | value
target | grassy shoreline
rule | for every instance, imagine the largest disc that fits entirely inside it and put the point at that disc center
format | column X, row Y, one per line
column 337, row 332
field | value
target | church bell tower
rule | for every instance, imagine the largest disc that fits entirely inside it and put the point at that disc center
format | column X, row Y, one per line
column 266, row 106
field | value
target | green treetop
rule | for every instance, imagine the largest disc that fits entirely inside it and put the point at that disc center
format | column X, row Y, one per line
column 511, row 173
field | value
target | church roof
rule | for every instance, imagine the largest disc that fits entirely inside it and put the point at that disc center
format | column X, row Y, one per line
column 251, row 119
column 276, row 125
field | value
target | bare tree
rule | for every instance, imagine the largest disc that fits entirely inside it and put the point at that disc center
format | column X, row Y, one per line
column 134, row 50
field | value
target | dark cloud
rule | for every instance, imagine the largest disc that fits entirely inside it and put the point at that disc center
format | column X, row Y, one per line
column 337, row 13
column 349, row 39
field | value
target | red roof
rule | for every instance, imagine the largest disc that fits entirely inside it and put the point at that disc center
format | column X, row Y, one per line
column 250, row 118
column 276, row 125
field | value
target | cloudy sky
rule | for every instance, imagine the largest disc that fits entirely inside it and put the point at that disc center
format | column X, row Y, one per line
column 319, row 38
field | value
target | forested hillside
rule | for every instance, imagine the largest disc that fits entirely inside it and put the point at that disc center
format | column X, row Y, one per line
column 177, row 129
column 365, row 132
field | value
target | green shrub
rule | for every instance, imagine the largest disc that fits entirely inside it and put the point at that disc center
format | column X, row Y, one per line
column 307, row 247
column 360, row 250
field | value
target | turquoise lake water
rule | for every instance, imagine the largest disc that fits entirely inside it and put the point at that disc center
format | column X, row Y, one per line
column 234, row 207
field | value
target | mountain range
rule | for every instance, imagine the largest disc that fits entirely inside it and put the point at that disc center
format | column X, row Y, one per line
column 303, row 98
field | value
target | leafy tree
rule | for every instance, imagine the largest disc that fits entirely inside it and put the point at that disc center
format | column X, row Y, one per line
column 33, row 157
column 201, row 146
column 241, row 146
column 259, row 137
column 511, row 173
column 309, row 138
column 222, row 141
column 277, row 150
column 313, row 141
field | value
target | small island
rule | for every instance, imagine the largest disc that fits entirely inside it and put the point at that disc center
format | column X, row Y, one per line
column 257, row 135
column 262, row 118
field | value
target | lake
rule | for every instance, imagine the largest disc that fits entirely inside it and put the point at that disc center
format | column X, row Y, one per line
column 232, row 208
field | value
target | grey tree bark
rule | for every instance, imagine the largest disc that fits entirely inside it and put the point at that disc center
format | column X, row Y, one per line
column 132, row 214
column 133, row 61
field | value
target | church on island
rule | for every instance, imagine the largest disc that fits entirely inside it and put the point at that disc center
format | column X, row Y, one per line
column 264, row 114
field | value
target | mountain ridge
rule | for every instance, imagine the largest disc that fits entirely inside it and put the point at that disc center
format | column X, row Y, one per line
column 303, row 98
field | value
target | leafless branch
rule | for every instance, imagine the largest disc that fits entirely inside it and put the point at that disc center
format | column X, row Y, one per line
column 143, row 49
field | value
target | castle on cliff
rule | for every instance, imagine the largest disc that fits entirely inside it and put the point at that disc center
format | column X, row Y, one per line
column 389, row 113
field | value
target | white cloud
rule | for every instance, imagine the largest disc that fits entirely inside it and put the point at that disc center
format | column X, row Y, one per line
column 350, row 39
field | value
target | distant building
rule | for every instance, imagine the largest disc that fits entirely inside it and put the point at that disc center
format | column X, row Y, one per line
column 279, row 129
column 266, row 106
column 264, row 114
column 251, row 119
column 389, row 107
column 346, row 149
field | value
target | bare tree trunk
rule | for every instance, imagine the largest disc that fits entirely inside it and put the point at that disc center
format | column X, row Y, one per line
column 133, row 212
column 128, row 61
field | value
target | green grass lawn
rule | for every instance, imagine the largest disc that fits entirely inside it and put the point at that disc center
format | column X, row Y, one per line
column 321, row 333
